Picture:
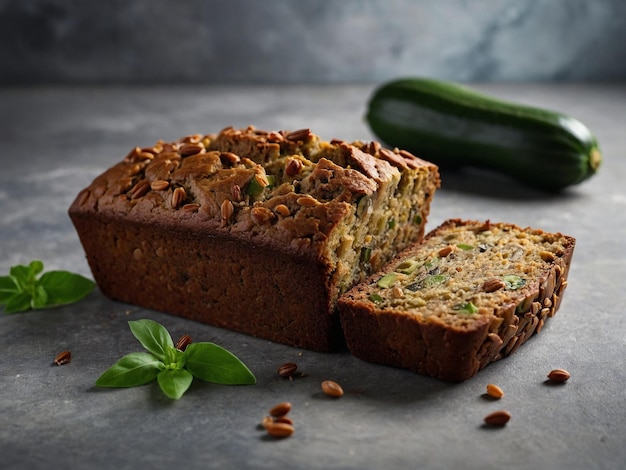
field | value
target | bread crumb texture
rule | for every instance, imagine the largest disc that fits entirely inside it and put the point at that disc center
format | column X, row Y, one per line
column 252, row 230
column 471, row 293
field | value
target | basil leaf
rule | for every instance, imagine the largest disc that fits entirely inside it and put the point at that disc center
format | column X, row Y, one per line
column 174, row 358
column 20, row 274
column 64, row 287
column 40, row 297
column 8, row 288
column 19, row 302
column 131, row 370
column 153, row 336
column 25, row 275
column 174, row 382
column 22, row 287
column 210, row 362
column 175, row 369
column 34, row 268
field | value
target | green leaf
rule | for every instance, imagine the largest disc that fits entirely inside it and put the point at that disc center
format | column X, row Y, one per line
column 174, row 358
column 40, row 297
column 64, row 287
column 20, row 302
column 20, row 274
column 174, row 382
column 25, row 275
column 34, row 268
column 131, row 370
column 21, row 290
column 210, row 362
column 153, row 336
column 8, row 288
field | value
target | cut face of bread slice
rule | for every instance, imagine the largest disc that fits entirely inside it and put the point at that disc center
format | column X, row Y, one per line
column 469, row 294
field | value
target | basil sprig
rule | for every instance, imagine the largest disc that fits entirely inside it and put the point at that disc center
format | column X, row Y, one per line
column 23, row 289
column 174, row 369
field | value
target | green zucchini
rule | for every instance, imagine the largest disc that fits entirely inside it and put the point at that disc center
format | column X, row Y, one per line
column 454, row 126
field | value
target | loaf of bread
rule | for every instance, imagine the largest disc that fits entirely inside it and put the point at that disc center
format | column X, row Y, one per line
column 253, row 231
column 468, row 295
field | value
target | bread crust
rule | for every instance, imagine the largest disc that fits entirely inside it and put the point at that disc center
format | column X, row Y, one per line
column 254, row 231
column 443, row 349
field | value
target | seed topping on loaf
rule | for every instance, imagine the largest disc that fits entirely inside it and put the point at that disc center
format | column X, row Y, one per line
column 356, row 202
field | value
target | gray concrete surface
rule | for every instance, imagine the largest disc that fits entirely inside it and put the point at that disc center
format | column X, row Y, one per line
column 54, row 141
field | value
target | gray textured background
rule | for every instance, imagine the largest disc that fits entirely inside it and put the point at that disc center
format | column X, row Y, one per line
column 313, row 41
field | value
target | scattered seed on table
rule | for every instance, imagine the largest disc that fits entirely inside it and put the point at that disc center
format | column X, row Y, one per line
column 281, row 409
column 559, row 375
column 283, row 419
column 280, row 430
column 63, row 358
column 494, row 391
column 332, row 389
column 498, row 418
column 287, row 370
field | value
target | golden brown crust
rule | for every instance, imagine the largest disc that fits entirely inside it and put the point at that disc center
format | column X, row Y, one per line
column 442, row 345
column 255, row 231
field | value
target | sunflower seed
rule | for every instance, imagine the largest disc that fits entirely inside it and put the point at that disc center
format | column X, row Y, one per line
column 281, row 409
column 498, row 418
column 63, row 358
column 332, row 389
column 494, row 391
column 559, row 375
